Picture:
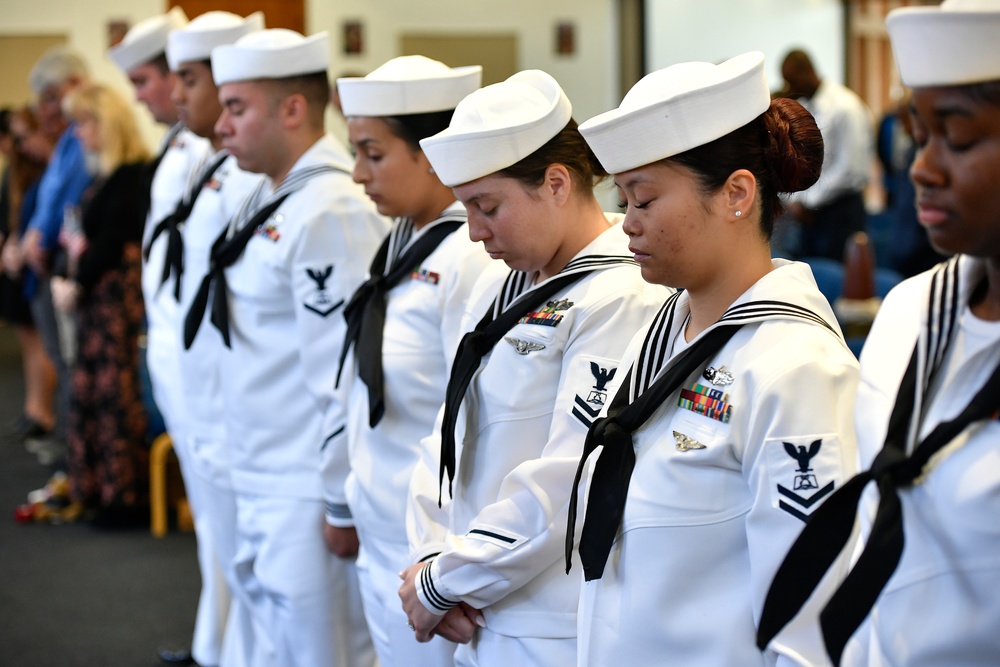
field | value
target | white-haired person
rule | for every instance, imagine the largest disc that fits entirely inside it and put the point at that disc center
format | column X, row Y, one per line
column 543, row 333
column 731, row 416
column 402, row 323
column 921, row 591
column 278, row 276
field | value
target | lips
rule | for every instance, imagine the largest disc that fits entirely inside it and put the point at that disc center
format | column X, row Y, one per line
column 931, row 215
column 638, row 254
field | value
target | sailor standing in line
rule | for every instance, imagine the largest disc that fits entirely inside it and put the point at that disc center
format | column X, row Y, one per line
column 553, row 319
column 923, row 590
column 213, row 192
column 278, row 279
column 731, row 416
column 141, row 55
column 403, row 323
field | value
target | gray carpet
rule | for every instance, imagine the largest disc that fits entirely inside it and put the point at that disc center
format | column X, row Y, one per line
column 73, row 595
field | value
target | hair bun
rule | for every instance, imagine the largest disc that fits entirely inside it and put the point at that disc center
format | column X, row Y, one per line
column 795, row 146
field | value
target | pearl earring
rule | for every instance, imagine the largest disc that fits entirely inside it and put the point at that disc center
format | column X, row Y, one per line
column 739, row 213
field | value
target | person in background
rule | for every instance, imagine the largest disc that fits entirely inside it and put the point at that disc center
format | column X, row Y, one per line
column 27, row 151
column 921, row 590
column 57, row 73
column 403, row 324
column 543, row 332
column 731, row 416
column 833, row 209
column 212, row 195
column 279, row 275
column 108, row 462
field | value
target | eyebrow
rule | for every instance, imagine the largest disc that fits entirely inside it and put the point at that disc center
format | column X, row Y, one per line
column 635, row 180
column 947, row 111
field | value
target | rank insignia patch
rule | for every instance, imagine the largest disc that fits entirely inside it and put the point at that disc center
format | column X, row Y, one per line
column 523, row 347
column 587, row 409
column 805, row 474
column 706, row 401
column 425, row 276
column 320, row 302
column 547, row 316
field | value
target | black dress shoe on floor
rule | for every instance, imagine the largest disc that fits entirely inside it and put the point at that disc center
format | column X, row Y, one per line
column 175, row 656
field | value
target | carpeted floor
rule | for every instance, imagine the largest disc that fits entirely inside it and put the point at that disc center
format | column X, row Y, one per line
column 76, row 596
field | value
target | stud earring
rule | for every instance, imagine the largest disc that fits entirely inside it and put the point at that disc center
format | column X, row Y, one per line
column 739, row 213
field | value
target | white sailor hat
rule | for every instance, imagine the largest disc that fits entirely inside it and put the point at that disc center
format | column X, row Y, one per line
column 146, row 40
column 949, row 45
column 408, row 85
column 497, row 126
column 678, row 108
column 270, row 54
column 195, row 41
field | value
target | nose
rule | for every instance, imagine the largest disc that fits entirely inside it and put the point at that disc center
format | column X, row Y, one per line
column 478, row 229
column 360, row 173
column 177, row 94
column 927, row 168
column 223, row 128
column 629, row 224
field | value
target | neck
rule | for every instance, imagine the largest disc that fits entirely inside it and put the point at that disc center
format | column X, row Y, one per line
column 583, row 222
column 297, row 146
column 216, row 142
column 439, row 200
column 986, row 302
column 710, row 301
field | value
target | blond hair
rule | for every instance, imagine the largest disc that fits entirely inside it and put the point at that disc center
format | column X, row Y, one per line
column 120, row 139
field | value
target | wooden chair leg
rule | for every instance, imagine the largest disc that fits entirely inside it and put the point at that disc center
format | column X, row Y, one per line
column 158, row 457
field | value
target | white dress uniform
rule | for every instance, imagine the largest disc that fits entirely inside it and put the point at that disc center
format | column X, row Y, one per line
column 519, row 435
column 215, row 523
column 727, row 471
column 939, row 606
column 286, row 293
column 421, row 334
column 184, row 152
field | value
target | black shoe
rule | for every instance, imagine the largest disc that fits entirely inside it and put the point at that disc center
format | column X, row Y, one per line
column 25, row 428
column 175, row 656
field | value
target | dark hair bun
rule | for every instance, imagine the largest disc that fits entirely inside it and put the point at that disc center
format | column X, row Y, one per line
column 795, row 150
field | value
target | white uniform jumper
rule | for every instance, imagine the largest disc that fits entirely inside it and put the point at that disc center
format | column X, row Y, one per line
column 183, row 153
column 727, row 470
column 286, row 292
column 422, row 330
column 519, row 435
column 217, row 202
column 940, row 606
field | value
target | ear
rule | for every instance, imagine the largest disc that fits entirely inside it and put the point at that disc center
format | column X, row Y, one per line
column 738, row 195
column 558, row 183
column 294, row 111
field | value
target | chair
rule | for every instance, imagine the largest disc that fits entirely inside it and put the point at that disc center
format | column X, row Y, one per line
column 163, row 469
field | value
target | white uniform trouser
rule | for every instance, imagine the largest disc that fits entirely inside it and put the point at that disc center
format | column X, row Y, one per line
column 304, row 602
column 379, row 564
column 218, row 514
column 488, row 649
column 210, row 620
